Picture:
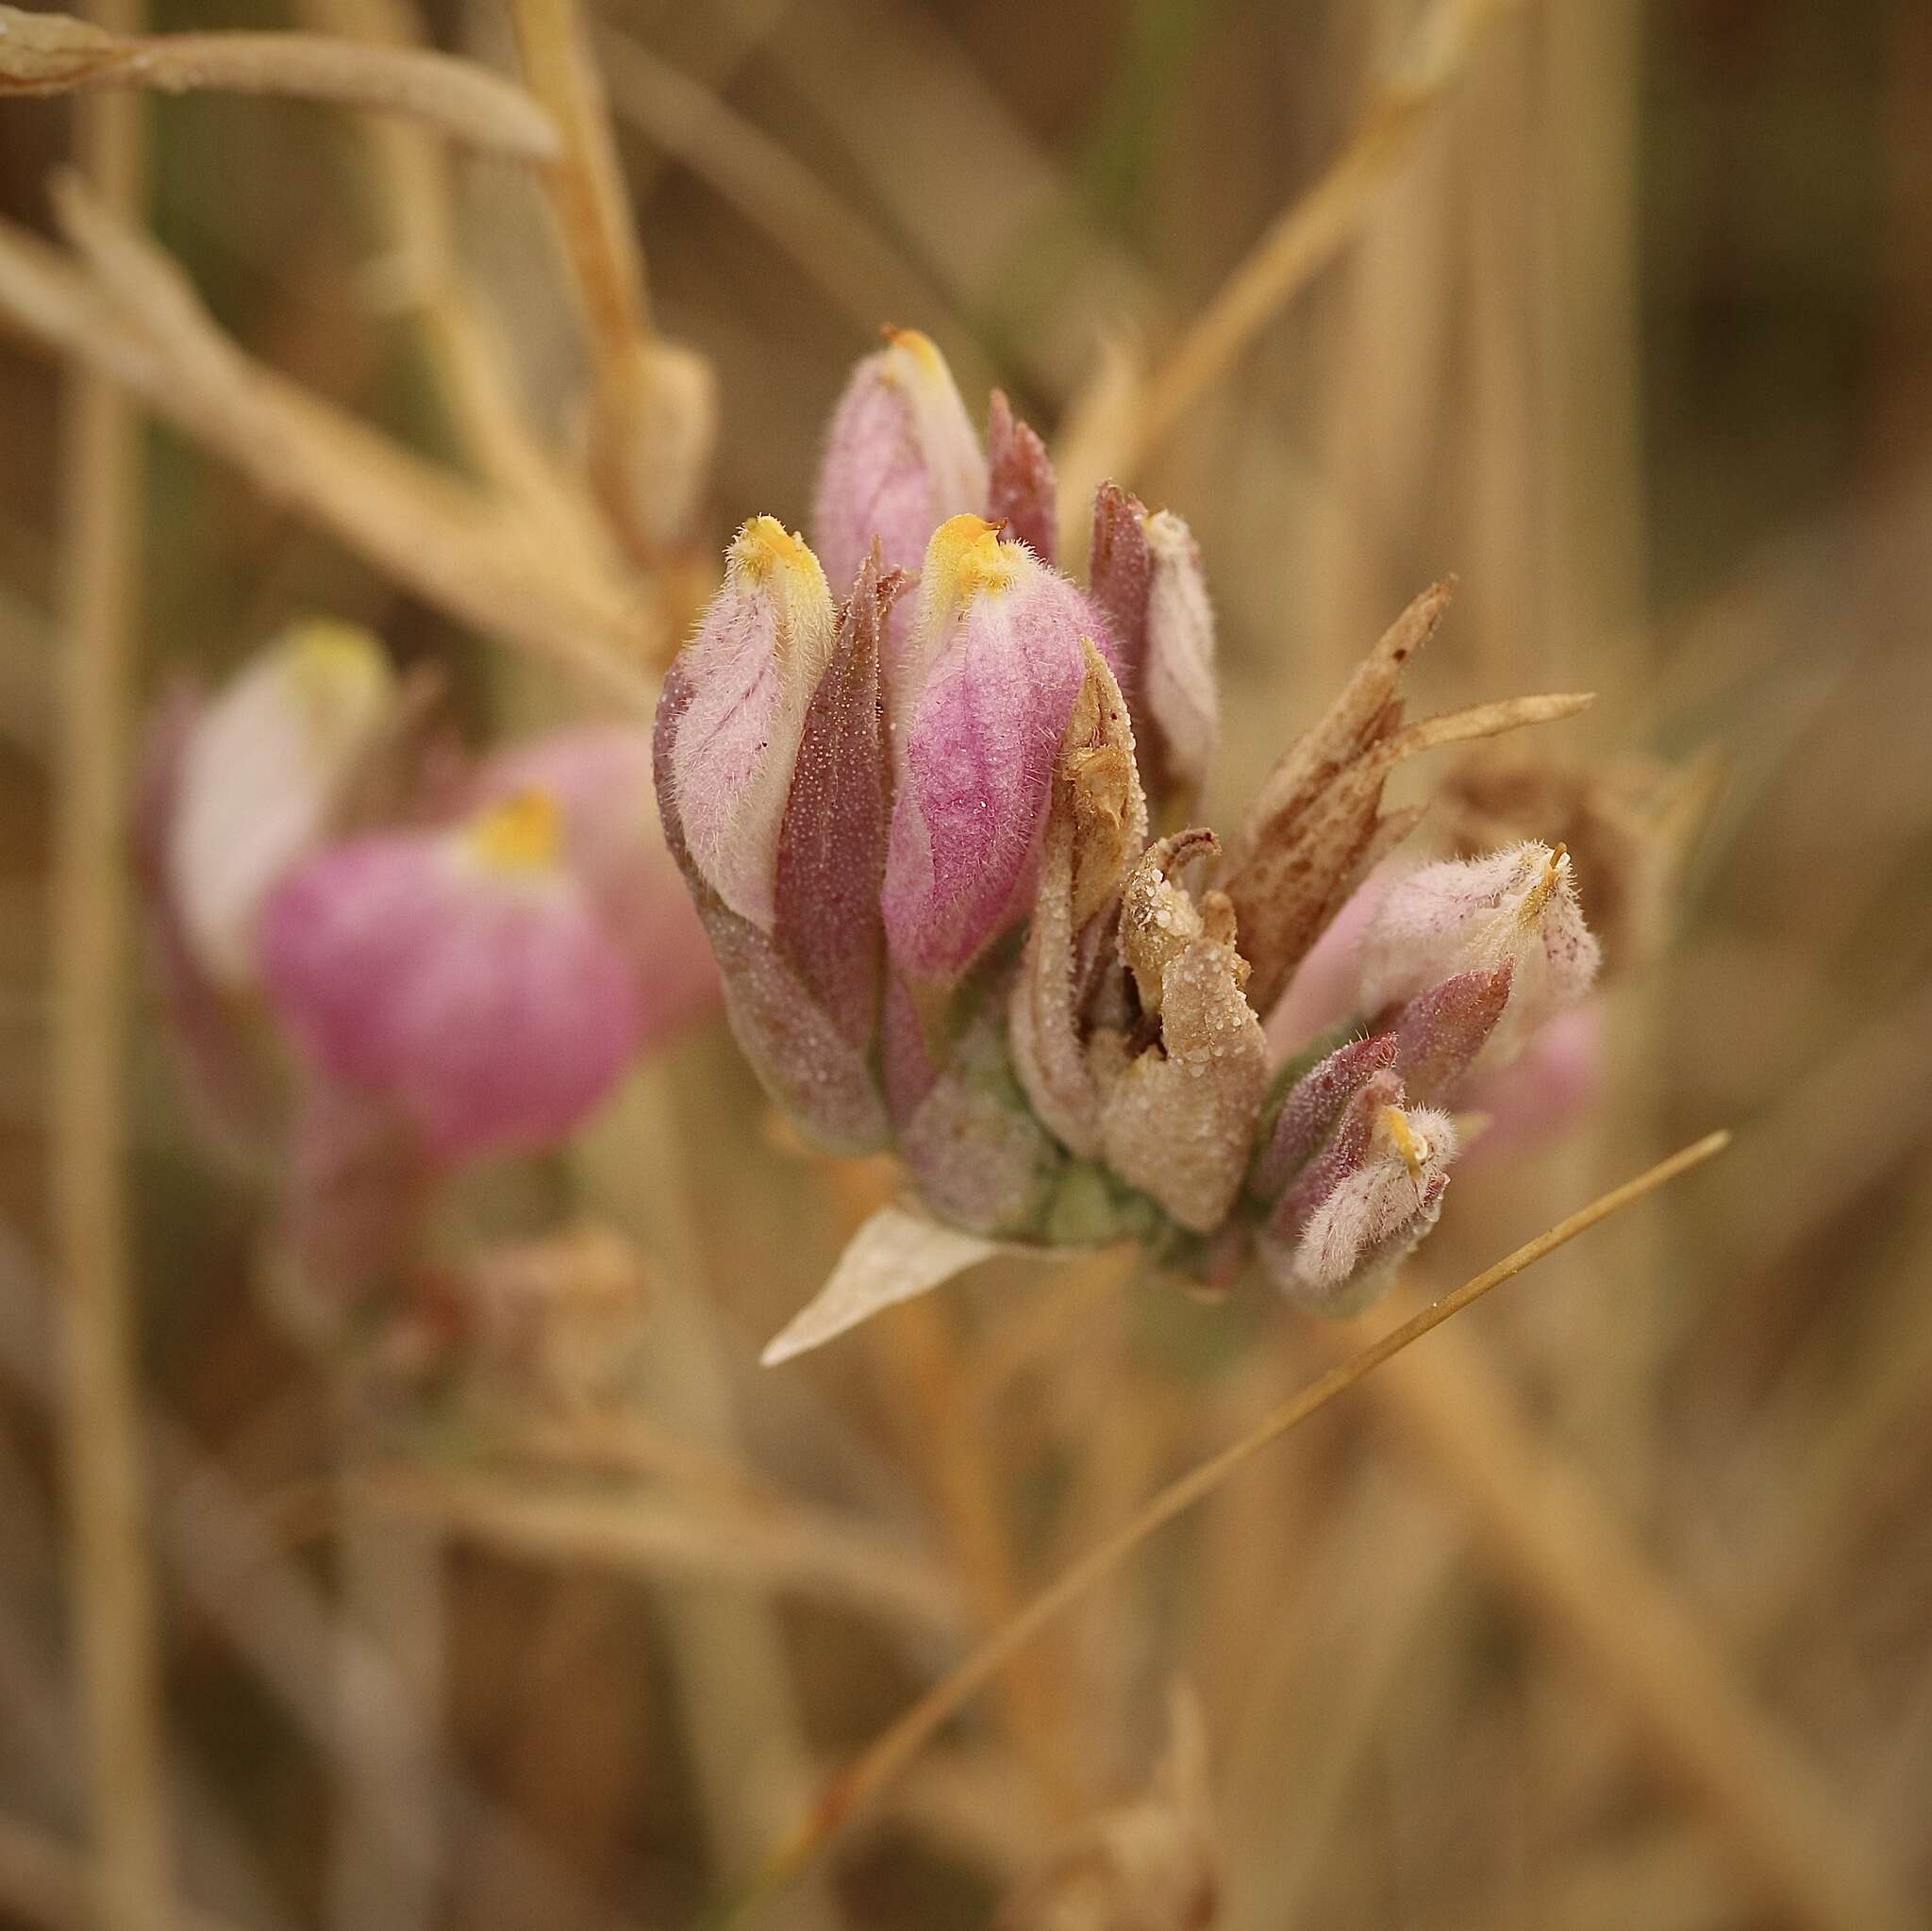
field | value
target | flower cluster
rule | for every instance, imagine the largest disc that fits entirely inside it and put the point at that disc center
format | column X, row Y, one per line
column 926, row 830
column 385, row 961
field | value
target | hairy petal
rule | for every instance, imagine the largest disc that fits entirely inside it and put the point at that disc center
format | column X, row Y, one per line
column 987, row 688
column 749, row 672
column 901, row 457
column 462, row 976
column 1516, row 908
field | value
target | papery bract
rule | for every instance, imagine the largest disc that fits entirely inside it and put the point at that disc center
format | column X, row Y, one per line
column 463, row 977
column 980, row 702
column 744, row 681
column 1177, row 1118
column 260, row 778
column 1516, row 907
column 901, row 457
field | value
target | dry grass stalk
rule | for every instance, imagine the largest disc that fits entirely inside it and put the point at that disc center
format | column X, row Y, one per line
column 55, row 53
column 51, row 1884
column 129, row 313
column 1302, row 241
column 414, row 194
column 924, row 1365
column 796, row 1549
column 113, row 1592
column 826, row 238
column 1578, row 1570
column 861, row 1782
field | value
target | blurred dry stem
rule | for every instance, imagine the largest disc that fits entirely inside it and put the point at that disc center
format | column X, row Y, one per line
column 861, row 1782
column 1301, row 241
column 1579, row 1570
column 129, row 313
column 113, row 1594
column 55, row 53
column 787, row 1547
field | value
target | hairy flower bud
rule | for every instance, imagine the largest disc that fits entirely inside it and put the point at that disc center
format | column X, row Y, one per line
column 901, row 457
column 1340, row 1229
column 800, row 956
column 462, row 976
column 980, row 704
column 1516, row 907
column 260, row 778
column 742, row 686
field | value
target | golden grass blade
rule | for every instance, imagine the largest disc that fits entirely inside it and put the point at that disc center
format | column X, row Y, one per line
column 112, row 1600
column 134, row 318
column 859, row 1783
column 55, row 53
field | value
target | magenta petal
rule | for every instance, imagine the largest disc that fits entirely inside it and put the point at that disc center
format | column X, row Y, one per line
column 999, row 645
column 485, row 1000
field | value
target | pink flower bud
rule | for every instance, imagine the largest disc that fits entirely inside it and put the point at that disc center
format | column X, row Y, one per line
column 741, row 687
column 1439, row 1033
column 600, row 776
column 1515, row 907
column 260, row 776
column 463, row 977
column 802, row 986
column 1337, row 1234
column 901, row 457
column 980, row 705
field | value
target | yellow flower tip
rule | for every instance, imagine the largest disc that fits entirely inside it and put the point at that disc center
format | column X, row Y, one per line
column 1406, row 1140
column 919, row 347
column 336, row 670
column 1540, row 894
column 525, row 833
column 765, row 547
column 967, row 559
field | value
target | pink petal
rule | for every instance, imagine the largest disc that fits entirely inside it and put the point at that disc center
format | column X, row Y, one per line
column 483, row 998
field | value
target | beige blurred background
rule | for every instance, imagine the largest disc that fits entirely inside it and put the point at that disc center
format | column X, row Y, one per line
column 1610, row 1606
